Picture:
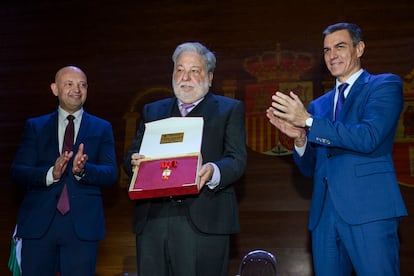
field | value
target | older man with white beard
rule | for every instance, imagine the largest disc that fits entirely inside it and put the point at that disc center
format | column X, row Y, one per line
column 190, row 235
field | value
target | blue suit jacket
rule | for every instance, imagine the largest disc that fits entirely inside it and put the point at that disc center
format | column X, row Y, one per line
column 351, row 158
column 38, row 152
column 224, row 143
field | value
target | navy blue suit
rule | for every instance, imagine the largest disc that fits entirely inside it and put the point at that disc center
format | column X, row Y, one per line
column 38, row 152
column 213, row 211
column 350, row 159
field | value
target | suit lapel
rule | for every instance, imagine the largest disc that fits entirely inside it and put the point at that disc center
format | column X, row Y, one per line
column 206, row 108
column 169, row 108
column 52, row 127
column 330, row 111
column 84, row 126
column 356, row 90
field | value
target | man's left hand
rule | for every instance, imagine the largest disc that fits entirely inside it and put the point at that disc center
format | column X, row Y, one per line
column 289, row 108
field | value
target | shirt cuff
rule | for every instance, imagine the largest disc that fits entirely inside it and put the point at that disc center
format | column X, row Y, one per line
column 301, row 150
column 49, row 177
column 215, row 178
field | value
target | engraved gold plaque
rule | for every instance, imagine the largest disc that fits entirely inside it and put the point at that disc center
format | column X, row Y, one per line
column 172, row 138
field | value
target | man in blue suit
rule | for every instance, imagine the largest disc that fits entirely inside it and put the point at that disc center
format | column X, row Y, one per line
column 356, row 203
column 189, row 235
column 53, row 240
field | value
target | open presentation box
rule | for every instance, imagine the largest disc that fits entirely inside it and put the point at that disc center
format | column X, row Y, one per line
column 172, row 149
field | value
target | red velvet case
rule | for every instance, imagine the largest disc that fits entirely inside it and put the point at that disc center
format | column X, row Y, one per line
column 162, row 177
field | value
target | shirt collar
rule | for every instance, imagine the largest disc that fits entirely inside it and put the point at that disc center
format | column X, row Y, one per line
column 195, row 103
column 63, row 114
column 351, row 80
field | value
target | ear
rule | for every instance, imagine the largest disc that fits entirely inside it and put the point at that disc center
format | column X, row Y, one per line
column 210, row 78
column 53, row 86
column 360, row 47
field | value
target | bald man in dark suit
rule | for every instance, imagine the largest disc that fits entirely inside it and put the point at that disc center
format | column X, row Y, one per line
column 56, row 240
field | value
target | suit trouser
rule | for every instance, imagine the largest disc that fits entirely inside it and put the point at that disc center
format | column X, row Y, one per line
column 59, row 250
column 170, row 245
column 370, row 249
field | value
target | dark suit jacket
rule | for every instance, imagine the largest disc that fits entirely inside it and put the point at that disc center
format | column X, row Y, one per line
column 352, row 158
column 224, row 143
column 38, row 151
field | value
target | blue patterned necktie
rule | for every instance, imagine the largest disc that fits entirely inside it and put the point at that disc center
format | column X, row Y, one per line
column 341, row 99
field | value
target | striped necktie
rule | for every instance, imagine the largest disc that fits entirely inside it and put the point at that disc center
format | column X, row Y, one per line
column 185, row 108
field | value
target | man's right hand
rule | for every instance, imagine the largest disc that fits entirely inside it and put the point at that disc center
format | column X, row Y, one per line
column 135, row 157
column 61, row 164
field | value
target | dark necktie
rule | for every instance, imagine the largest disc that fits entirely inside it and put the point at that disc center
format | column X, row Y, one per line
column 185, row 108
column 341, row 99
column 69, row 135
column 63, row 203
